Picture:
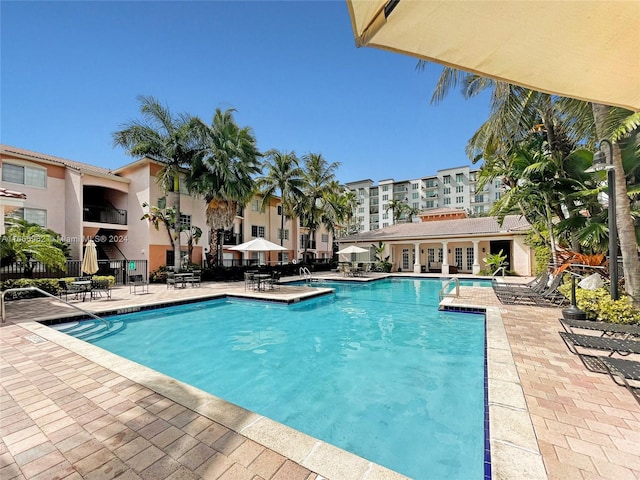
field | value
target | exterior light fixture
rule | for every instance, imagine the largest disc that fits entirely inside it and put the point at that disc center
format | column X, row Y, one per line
column 603, row 162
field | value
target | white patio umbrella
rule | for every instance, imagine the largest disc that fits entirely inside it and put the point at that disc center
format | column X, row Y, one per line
column 352, row 249
column 584, row 50
column 258, row 245
column 90, row 259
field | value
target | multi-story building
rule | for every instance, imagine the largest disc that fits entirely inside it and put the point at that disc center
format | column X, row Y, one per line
column 81, row 201
column 454, row 188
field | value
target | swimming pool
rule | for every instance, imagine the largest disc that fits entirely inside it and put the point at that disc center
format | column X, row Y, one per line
column 374, row 369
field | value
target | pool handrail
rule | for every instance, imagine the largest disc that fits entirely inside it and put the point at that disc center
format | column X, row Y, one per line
column 36, row 289
column 442, row 293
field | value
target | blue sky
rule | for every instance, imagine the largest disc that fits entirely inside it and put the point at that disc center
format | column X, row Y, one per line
column 71, row 72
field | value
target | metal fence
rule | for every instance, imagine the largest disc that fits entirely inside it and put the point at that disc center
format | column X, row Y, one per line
column 120, row 269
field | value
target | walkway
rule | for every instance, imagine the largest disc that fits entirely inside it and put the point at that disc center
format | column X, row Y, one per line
column 64, row 414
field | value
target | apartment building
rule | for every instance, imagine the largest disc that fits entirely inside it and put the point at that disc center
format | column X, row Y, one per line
column 454, row 188
column 81, row 201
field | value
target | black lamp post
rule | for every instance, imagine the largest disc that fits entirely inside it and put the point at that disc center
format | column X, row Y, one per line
column 602, row 162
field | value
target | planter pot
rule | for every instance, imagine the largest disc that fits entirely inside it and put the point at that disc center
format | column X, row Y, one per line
column 574, row 313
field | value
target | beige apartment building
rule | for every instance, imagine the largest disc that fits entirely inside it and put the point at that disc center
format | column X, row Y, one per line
column 81, row 201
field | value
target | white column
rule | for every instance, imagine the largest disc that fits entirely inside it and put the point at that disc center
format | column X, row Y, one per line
column 476, row 263
column 445, row 257
column 416, row 257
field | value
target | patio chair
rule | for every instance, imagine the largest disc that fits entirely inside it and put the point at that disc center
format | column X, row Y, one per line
column 138, row 281
column 548, row 296
column 66, row 289
column 195, row 278
column 274, row 282
column 622, row 370
column 172, row 280
column 607, row 329
column 593, row 342
column 250, row 283
column 100, row 286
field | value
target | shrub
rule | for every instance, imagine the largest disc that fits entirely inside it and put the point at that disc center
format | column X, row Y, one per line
column 597, row 304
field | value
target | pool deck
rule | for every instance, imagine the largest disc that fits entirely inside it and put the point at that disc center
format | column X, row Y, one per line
column 69, row 410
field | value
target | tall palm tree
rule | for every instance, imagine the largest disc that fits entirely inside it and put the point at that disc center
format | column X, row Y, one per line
column 284, row 178
column 168, row 139
column 319, row 179
column 339, row 208
column 624, row 219
column 223, row 172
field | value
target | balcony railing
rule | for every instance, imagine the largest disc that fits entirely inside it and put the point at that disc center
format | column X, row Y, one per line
column 231, row 238
column 92, row 213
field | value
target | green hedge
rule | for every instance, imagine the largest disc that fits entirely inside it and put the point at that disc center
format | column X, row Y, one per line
column 597, row 304
column 49, row 285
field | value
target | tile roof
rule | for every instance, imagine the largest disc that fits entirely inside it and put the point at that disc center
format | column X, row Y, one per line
column 7, row 149
column 12, row 194
column 443, row 228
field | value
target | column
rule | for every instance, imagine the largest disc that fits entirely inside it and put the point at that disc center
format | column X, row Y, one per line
column 476, row 262
column 445, row 257
column 416, row 257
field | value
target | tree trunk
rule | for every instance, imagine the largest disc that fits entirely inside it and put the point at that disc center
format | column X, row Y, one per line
column 176, row 229
column 626, row 233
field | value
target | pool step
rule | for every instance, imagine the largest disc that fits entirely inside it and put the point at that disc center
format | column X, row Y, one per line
column 89, row 330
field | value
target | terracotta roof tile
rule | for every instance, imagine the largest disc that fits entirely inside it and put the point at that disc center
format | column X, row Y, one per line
column 62, row 161
column 12, row 194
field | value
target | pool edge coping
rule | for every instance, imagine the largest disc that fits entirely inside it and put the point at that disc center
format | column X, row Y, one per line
column 515, row 452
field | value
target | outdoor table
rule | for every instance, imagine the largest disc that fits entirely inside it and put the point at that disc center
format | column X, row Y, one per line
column 84, row 286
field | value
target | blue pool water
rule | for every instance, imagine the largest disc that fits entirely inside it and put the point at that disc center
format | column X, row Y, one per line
column 374, row 369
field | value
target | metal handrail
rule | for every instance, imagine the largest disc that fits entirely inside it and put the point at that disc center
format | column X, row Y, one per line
column 441, row 295
column 306, row 273
column 36, row 289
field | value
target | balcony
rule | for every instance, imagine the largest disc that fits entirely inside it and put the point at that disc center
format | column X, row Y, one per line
column 114, row 216
column 231, row 238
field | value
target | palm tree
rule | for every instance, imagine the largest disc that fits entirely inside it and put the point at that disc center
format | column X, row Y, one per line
column 624, row 219
column 27, row 242
column 168, row 139
column 400, row 209
column 223, row 172
column 284, row 178
column 339, row 207
column 319, row 179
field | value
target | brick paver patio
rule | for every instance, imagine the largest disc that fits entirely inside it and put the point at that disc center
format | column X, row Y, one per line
column 65, row 416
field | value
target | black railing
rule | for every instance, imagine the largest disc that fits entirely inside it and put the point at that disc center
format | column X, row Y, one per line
column 92, row 213
column 120, row 269
column 231, row 238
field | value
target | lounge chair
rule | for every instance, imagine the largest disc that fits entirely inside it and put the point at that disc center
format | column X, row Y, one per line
column 607, row 329
column 622, row 370
column 546, row 296
column 593, row 342
column 250, row 282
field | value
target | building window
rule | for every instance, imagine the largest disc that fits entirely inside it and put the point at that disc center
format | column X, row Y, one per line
column 498, row 183
column 498, row 195
column 469, row 258
column 255, row 205
column 415, row 195
column 283, row 257
column 385, row 188
column 416, row 204
column 385, row 216
column 31, row 215
column 385, row 198
column 447, row 190
column 440, row 255
column 431, row 255
column 459, row 199
column 479, row 198
column 430, row 183
column 185, row 221
column 415, row 186
column 325, row 238
column 279, row 209
column 447, row 201
column 460, row 189
column 162, row 203
column 429, row 203
column 286, row 234
column 458, row 257
column 478, row 209
column 446, row 179
column 360, row 209
column 257, row 231
column 459, row 177
column 385, row 224
column 24, row 175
